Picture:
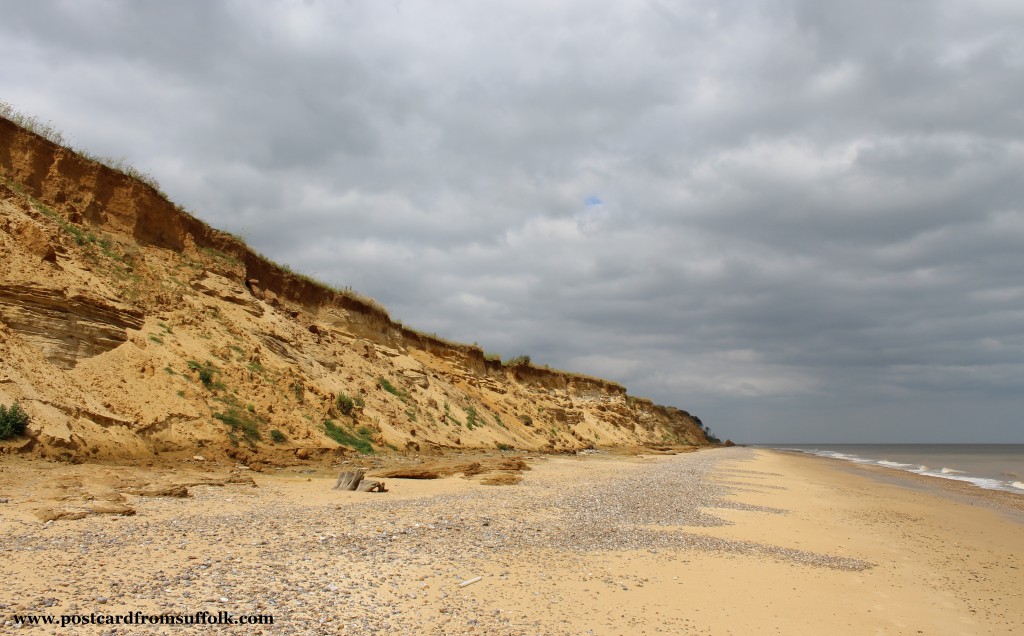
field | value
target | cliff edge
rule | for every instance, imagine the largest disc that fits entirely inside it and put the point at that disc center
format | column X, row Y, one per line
column 130, row 328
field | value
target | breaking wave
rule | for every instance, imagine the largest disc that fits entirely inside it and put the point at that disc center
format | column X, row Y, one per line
column 944, row 472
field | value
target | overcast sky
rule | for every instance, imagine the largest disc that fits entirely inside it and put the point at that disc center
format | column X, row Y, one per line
column 800, row 220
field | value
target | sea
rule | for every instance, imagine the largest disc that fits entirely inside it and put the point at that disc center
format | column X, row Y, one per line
column 990, row 466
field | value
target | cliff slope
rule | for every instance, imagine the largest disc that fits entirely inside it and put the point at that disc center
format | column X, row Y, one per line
column 130, row 328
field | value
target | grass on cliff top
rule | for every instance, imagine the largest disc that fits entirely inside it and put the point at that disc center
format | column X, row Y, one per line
column 347, row 291
column 47, row 130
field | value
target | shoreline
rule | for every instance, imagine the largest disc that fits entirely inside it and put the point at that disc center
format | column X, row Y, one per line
column 1006, row 501
column 725, row 541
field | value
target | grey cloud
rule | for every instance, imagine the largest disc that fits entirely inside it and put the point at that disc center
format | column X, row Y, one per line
column 810, row 224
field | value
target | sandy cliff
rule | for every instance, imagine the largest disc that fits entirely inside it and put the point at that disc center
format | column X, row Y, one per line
column 130, row 328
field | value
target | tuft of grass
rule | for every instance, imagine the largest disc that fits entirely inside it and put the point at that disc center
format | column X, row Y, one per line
column 107, row 247
column 472, row 420
column 358, row 441
column 523, row 360
column 448, row 417
column 392, row 389
column 277, row 436
column 205, row 372
column 155, row 338
column 121, row 164
column 80, row 236
column 239, row 420
column 526, row 420
column 30, row 122
column 345, row 404
column 13, row 421
column 221, row 256
column 505, row 447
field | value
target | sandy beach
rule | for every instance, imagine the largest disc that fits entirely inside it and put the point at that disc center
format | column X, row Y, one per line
column 726, row 541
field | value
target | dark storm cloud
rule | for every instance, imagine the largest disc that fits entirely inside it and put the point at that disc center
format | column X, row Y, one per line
column 800, row 220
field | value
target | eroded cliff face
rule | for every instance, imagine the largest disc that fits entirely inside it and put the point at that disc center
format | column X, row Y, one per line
column 128, row 328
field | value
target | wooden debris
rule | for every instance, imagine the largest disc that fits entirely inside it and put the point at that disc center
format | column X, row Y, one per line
column 349, row 480
column 353, row 480
column 447, row 468
column 371, row 486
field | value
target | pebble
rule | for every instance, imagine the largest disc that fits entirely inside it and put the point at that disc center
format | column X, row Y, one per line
column 384, row 555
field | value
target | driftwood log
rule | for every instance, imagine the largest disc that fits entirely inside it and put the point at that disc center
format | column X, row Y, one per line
column 353, row 480
column 371, row 486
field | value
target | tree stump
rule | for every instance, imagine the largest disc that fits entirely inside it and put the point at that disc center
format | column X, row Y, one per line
column 349, row 480
column 353, row 480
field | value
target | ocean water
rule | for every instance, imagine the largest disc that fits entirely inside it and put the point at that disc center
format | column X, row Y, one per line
column 991, row 466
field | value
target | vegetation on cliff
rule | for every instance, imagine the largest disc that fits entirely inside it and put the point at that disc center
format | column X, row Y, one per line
column 13, row 421
column 108, row 282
